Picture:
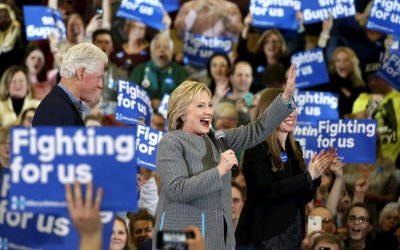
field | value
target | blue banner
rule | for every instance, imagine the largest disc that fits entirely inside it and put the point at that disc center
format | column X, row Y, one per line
column 28, row 230
column 40, row 21
column 310, row 68
column 275, row 14
column 355, row 140
column 170, row 5
column 306, row 134
column 315, row 11
column 146, row 146
column 133, row 104
column 385, row 16
column 163, row 108
column 197, row 48
column 313, row 106
column 149, row 12
column 390, row 70
column 44, row 159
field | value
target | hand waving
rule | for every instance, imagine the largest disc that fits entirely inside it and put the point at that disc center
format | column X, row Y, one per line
column 290, row 86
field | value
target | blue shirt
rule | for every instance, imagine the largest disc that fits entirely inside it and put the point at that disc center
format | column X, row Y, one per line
column 77, row 103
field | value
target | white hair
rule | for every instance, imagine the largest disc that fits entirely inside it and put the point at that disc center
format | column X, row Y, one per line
column 389, row 207
column 162, row 36
column 84, row 55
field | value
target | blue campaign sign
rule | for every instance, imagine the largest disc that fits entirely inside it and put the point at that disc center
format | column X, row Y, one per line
column 163, row 108
column 313, row 105
column 355, row 140
column 277, row 14
column 146, row 146
column 390, row 70
column 40, row 21
column 149, row 12
column 197, row 48
column 44, row 159
column 315, row 11
column 306, row 134
column 40, row 230
column 170, row 5
column 310, row 68
column 133, row 104
column 385, row 17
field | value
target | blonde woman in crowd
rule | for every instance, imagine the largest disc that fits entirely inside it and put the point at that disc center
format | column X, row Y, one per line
column 16, row 94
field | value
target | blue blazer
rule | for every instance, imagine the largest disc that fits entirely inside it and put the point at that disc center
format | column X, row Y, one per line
column 57, row 109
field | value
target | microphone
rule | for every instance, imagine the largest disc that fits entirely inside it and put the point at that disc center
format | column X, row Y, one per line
column 220, row 137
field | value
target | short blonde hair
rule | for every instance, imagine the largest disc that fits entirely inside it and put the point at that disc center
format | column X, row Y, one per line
column 82, row 55
column 226, row 107
column 180, row 100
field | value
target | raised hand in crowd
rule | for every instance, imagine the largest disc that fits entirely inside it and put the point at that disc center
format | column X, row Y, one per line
column 290, row 86
column 247, row 23
column 85, row 214
column 360, row 190
column 308, row 240
column 334, row 195
column 140, row 181
column 221, row 89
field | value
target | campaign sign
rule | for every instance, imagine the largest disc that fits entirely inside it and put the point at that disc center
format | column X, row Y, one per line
column 163, row 108
column 170, row 5
column 40, row 21
column 355, row 140
column 385, row 16
column 44, row 159
column 390, row 70
column 149, row 12
column 275, row 14
column 310, row 68
column 197, row 48
column 306, row 134
column 133, row 104
column 315, row 11
column 313, row 105
column 146, row 146
column 40, row 230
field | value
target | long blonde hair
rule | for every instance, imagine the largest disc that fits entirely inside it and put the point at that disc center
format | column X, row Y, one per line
column 180, row 100
column 267, row 97
column 355, row 76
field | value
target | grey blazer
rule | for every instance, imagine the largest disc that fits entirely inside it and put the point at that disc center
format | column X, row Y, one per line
column 192, row 192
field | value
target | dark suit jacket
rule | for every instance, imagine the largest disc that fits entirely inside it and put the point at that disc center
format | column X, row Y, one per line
column 57, row 109
column 273, row 198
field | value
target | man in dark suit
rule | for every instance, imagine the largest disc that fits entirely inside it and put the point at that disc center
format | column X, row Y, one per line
column 81, row 73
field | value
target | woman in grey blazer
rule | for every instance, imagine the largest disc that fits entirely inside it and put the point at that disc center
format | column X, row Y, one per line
column 195, row 173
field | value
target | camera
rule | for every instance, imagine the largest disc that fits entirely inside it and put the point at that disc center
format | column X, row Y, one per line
column 314, row 224
column 172, row 240
column 99, row 11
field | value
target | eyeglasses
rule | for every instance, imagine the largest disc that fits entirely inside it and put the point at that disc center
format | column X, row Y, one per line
column 361, row 219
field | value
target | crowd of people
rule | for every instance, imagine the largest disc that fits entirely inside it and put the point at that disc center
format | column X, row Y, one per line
column 248, row 93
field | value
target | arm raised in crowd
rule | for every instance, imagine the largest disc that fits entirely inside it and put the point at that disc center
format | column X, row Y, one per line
column 85, row 215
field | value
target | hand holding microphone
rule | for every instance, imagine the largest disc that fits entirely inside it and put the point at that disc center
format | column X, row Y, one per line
column 228, row 159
